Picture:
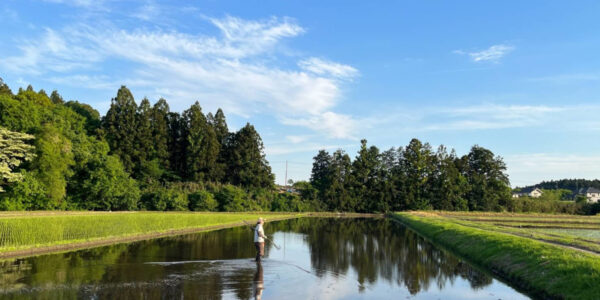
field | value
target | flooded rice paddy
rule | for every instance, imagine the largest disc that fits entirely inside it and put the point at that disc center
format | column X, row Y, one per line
column 319, row 258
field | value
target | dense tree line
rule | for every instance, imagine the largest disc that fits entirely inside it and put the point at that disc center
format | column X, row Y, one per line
column 57, row 154
column 63, row 155
column 568, row 184
column 411, row 177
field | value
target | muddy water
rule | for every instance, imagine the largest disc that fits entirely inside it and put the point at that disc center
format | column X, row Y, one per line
column 319, row 259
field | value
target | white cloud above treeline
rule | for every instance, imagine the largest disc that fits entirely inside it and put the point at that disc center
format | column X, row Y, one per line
column 236, row 69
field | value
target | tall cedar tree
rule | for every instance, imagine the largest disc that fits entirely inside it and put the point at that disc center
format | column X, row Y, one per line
column 219, row 125
column 120, row 127
column 247, row 164
column 160, row 132
column 176, row 145
column 338, row 195
column 366, row 175
column 418, row 168
column 202, row 147
column 319, row 177
column 144, row 141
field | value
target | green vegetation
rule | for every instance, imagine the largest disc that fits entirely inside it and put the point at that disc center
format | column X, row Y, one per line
column 413, row 177
column 532, row 261
column 588, row 234
column 64, row 156
column 38, row 229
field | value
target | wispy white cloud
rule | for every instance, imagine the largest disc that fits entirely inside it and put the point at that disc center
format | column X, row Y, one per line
column 337, row 125
column 567, row 78
column 227, row 70
column 493, row 53
column 323, row 67
column 487, row 117
column 51, row 53
column 531, row 168
column 296, row 139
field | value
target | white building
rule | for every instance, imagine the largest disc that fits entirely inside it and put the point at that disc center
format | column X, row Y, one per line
column 532, row 192
column 592, row 194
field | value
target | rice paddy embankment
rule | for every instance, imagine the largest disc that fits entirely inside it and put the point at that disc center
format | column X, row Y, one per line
column 39, row 232
column 547, row 263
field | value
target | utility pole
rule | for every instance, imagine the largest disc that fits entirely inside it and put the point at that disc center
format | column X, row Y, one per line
column 285, row 183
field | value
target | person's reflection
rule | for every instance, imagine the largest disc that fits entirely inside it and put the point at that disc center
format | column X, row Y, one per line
column 258, row 282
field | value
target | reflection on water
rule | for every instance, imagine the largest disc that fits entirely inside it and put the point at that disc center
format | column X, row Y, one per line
column 321, row 258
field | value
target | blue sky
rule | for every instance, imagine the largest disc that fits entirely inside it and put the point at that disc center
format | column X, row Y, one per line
column 521, row 78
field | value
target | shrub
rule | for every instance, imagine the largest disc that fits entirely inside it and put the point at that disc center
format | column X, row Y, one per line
column 202, row 201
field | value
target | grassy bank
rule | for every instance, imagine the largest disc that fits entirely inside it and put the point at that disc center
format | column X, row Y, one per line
column 20, row 231
column 547, row 270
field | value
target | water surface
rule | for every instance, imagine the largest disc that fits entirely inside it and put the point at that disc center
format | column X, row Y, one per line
column 320, row 258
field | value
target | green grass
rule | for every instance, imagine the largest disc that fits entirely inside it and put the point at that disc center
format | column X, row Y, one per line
column 590, row 234
column 24, row 231
column 546, row 270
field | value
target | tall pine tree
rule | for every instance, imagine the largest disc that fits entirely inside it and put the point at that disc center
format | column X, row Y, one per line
column 202, row 147
column 160, row 132
column 120, row 128
column 247, row 164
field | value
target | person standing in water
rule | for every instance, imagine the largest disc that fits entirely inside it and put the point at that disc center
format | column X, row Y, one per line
column 259, row 239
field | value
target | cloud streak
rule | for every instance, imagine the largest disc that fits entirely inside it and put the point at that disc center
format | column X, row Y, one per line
column 323, row 67
column 491, row 54
column 231, row 69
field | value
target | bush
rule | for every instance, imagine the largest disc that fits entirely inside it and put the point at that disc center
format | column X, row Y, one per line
column 202, row 201
column 232, row 198
column 24, row 195
column 289, row 202
column 162, row 198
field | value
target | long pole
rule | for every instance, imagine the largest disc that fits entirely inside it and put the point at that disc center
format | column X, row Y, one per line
column 286, row 167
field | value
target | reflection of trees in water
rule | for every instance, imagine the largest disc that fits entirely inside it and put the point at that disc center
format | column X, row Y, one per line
column 374, row 249
column 380, row 250
column 118, row 271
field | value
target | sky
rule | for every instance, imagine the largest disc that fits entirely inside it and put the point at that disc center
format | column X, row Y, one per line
column 521, row 78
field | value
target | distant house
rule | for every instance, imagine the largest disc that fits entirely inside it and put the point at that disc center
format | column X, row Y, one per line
column 592, row 194
column 532, row 192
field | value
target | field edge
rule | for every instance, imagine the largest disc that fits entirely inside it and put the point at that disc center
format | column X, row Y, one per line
column 541, row 270
column 70, row 245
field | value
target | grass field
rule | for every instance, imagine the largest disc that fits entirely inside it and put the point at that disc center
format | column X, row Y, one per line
column 558, row 261
column 20, row 230
column 580, row 232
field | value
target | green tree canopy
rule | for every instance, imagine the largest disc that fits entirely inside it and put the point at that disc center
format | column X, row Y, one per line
column 120, row 127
